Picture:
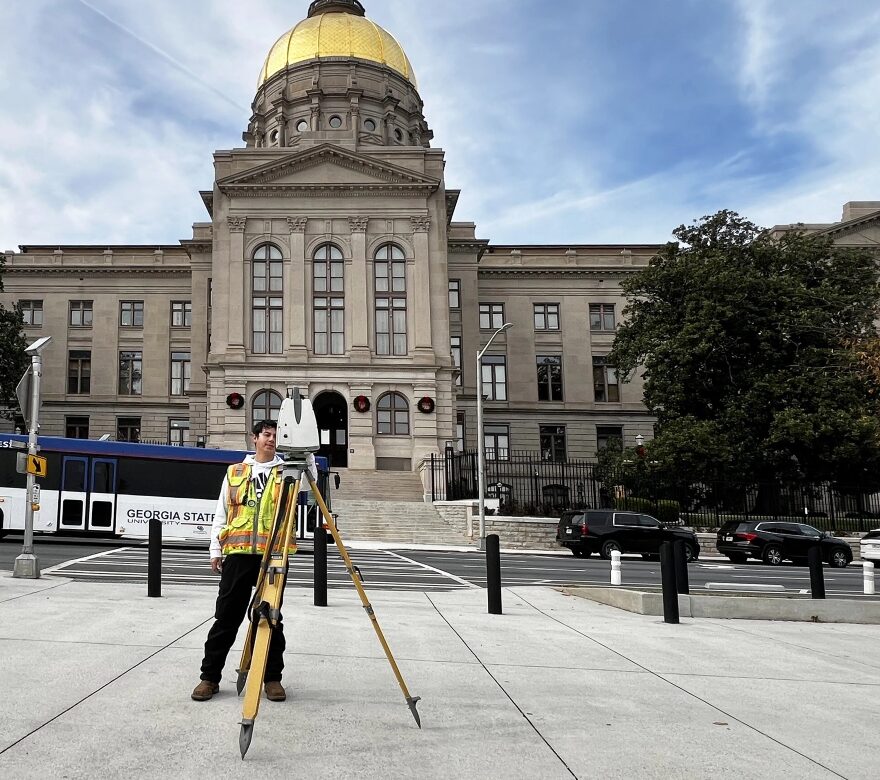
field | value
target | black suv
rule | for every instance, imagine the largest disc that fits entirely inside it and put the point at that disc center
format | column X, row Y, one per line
column 585, row 531
column 774, row 541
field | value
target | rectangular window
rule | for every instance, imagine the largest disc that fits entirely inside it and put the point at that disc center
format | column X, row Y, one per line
column 454, row 293
column 131, row 314
column 459, row 431
column 605, row 434
column 181, row 372
column 268, row 326
column 178, row 432
column 80, row 314
column 494, row 373
column 130, row 373
column 605, row 386
column 602, row 316
column 552, row 442
column 79, row 371
column 491, row 316
column 549, row 377
column 456, row 357
column 128, row 429
column 181, row 314
column 391, row 326
column 496, row 442
column 32, row 311
column 76, row 427
column 329, row 326
column 546, row 316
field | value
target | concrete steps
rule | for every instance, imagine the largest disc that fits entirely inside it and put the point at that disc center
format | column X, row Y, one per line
column 394, row 521
column 358, row 484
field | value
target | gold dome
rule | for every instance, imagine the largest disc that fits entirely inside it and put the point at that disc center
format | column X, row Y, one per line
column 336, row 35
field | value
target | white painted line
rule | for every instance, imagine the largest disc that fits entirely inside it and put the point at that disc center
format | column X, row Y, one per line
column 62, row 566
column 431, row 568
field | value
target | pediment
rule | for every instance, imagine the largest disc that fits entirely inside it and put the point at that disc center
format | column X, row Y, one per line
column 328, row 168
column 863, row 231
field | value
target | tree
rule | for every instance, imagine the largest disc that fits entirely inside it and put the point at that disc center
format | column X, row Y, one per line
column 13, row 360
column 747, row 342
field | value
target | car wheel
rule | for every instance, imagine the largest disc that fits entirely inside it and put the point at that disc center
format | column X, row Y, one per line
column 737, row 558
column 839, row 559
column 690, row 553
column 772, row 554
column 609, row 547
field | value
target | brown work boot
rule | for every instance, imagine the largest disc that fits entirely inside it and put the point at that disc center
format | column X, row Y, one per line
column 205, row 690
column 275, row 691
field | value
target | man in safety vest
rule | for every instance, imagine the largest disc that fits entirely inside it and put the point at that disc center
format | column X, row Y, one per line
column 240, row 532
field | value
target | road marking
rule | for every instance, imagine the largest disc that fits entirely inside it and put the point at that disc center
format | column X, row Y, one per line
column 432, row 568
column 61, row 566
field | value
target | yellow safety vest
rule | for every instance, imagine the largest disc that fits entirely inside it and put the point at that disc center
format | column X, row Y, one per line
column 248, row 519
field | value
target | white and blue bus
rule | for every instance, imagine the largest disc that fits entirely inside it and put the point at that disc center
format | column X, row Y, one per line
column 106, row 488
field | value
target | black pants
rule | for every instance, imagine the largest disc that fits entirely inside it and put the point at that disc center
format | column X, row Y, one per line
column 237, row 580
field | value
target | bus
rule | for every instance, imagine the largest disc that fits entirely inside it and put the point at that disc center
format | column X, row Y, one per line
column 110, row 488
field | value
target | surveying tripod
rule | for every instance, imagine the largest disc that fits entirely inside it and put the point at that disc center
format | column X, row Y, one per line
column 264, row 612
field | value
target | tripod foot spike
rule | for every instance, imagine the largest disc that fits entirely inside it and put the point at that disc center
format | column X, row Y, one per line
column 239, row 683
column 412, row 701
column 244, row 738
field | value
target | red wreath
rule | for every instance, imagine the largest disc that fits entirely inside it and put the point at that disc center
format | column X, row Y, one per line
column 362, row 404
column 426, row 404
column 235, row 400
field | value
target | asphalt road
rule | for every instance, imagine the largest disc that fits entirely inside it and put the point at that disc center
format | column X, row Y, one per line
column 112, row 560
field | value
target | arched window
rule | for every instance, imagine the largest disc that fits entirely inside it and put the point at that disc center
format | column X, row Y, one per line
column 268, row 302
column 265, row 406
column 389, row 268
column 328, row 274
column 392, row 415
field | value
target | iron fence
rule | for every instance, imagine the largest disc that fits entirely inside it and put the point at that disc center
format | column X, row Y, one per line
column 524, row 483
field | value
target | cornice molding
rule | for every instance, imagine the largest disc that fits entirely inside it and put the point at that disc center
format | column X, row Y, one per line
column 525, row 273
column 94, row 271
column 326, row 190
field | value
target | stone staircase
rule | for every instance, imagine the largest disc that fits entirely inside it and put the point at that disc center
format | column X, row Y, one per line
column 387, row 506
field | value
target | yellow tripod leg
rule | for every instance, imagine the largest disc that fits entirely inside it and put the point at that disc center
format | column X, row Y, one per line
column 268, row 596
column 410, row 700
column 246, row 653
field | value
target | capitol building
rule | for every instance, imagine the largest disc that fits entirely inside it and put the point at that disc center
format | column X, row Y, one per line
column 330, row 256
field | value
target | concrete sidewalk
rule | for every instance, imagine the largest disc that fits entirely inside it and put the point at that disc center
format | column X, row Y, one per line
column 95, row 681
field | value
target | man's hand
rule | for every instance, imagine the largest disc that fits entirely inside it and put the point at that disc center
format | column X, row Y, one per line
column 216, row 565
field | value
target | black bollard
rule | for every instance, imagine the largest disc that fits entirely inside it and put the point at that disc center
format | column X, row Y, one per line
column 667, row 577
column 681, row 566
column 320, row 565
column 817, row 576
column 493, row 573
column 154, row 559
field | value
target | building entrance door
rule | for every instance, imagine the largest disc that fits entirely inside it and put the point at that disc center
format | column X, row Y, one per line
column 331, row 414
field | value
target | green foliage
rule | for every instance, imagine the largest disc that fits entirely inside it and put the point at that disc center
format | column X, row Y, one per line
column 13, row 360
column 745, row 341
column 665, row 510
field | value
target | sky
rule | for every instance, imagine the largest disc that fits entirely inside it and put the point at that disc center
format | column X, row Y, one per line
column 566, row 122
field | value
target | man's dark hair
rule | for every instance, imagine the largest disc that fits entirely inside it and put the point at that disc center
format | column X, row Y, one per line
column 262, row 425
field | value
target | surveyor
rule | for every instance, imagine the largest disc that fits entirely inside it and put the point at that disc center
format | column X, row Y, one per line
column 242, row 528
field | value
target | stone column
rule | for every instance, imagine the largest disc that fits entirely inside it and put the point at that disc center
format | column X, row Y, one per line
column 421, row 296
column 356, row 291
column 238, row 286
column 295, row 284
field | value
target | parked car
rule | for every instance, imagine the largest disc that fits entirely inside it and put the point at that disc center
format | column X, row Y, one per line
column 870, row 546
column 775, row 541
column 585, row 531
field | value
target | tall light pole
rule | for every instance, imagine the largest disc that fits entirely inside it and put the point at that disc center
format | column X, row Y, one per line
column 481, row 456
column 26, row 565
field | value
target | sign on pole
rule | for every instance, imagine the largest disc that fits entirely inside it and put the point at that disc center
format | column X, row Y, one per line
column 36, row 465
column 23, row 391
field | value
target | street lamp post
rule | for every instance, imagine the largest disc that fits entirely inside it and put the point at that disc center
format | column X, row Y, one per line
column 26, row 565
column 481, row 457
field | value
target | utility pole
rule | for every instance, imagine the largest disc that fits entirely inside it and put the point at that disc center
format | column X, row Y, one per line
column 26, row 565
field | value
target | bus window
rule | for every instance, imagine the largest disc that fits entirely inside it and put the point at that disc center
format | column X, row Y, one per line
column 75, row 475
